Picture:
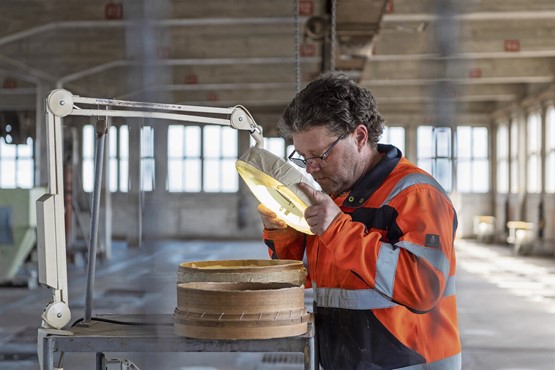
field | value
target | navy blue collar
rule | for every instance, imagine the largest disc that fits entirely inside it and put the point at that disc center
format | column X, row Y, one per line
column 373, row 179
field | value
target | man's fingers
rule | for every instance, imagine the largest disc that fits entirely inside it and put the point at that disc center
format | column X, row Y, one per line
column 270, row 219
column 266, row 211
column 312, row 211
column 322, row 212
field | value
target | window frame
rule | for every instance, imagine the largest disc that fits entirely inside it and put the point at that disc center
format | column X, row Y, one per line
column 503, row 158
column 119, row 159
column 549, row 159
column 533, row 152
column 473, row 159
column 434, row 158
column 223, row 160
column 386, row 137
column 147, row 159
column 17, row 164
column 87, row 157
column 514, row 185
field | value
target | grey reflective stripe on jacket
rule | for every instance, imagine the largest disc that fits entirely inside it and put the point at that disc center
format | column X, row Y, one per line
column 386, row 265
column 449, row 287
column 361, row 299
column 351, row 299
column 434, row 257
column 449, row 363
column 413, row 179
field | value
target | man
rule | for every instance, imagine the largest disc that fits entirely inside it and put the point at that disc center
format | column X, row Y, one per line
column 381, row 260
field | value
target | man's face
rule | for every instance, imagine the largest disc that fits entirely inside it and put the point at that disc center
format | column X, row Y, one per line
column 336, row 173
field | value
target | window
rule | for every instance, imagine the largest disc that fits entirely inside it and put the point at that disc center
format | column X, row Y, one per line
column 209, row 167
column 503, row 159
column 16, row 165
column 514, row 157
column 184, row 169
column 533, row 149
column 394, row 135
column 88, row 157
column 435, row 156
column 118, row 157
column 275, row 145
column 220, row 154
column 472, row 159
column 147, row 158
column 550, row 150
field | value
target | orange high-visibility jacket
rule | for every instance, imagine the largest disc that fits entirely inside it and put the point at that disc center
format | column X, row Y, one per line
column 383, row 273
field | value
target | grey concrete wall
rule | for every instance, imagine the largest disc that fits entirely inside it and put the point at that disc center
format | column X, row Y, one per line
column 468, row 206
column 216, row 216
column 187, row 216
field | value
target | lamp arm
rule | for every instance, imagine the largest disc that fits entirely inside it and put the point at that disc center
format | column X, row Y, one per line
column 62, row 103
column 51, row 243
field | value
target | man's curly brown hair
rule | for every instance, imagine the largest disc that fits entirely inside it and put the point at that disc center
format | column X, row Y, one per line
column 337, row 102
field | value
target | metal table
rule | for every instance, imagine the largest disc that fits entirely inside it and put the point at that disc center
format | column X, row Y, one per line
column 158, row 336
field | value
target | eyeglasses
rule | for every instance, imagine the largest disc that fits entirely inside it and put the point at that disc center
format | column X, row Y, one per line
column 302, row 162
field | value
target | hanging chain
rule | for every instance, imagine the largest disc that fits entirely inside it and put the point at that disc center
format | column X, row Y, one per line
column 333, row 34
column 297, row 47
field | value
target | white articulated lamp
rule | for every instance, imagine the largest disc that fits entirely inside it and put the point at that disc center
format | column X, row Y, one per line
column 269, row 177
column 50, row 207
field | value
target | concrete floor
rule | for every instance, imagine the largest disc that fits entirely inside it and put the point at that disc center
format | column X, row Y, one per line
column 506, row 308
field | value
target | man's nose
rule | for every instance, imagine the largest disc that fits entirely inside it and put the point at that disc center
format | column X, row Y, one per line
column 312, row 166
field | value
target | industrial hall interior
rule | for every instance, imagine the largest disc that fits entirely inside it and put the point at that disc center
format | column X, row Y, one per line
column 178, row 189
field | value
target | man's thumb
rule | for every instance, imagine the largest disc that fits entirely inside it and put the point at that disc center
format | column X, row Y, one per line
column 313, row 194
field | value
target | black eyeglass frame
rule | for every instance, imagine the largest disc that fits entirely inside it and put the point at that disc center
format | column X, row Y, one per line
column 303, row 162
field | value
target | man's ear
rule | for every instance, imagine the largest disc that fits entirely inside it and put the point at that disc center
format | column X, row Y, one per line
column 361, row 136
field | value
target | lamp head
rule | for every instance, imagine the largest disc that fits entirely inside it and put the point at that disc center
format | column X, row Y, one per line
column 273, row 181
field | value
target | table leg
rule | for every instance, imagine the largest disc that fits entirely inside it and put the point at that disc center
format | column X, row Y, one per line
column 310, row 355
column 100, row 361
column 48, row 353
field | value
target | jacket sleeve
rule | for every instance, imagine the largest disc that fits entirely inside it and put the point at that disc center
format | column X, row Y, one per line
column 414, row 270
column 286, row 244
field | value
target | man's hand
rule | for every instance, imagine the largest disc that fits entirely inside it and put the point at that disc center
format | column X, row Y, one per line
column 322, row 212
column 270, row 219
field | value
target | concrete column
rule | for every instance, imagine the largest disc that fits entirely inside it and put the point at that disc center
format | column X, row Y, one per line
column 521, row 119
column 410, row 142
column 543, row 126
column 144, row 43
column 161, row 156
column 492, row 156
column 134, row 221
